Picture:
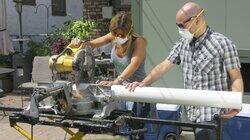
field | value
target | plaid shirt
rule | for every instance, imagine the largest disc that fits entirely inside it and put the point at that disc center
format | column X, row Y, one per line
column 205, row 63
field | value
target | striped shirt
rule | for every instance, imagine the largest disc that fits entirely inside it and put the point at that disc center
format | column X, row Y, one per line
column 205, row 62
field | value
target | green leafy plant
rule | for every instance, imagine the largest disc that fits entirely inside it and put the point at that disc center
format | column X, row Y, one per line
column 60, row 36
column 6, row 60
column 81, row 29
column 38, row 49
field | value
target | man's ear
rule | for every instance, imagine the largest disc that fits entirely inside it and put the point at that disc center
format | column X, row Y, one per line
column 198, row 20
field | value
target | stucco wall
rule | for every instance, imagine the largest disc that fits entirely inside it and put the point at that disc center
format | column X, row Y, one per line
column 155, row 19
column 36, row 23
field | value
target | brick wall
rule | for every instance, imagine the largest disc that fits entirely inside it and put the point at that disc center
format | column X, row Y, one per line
column 93, row 11
column 118, row 7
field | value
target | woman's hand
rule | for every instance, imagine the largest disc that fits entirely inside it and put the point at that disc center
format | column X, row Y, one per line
column 131, row 86
column 75, row 42
column 106, row 83
column 117, row 81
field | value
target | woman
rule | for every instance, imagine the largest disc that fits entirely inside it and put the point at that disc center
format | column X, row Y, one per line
column 128, row 55
column 128, row 52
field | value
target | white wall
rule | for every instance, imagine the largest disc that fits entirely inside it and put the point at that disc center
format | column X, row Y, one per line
column 36, row 23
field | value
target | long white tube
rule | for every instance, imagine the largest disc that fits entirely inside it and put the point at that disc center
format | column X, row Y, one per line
column 221, row 99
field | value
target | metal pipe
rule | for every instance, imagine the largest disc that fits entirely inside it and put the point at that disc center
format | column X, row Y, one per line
column 68, row 131
column 170, row 122
column 47, row 13
column 31, row 131
column 19, row 9
column 23, row 132
column 20, row 32
column 7, row 108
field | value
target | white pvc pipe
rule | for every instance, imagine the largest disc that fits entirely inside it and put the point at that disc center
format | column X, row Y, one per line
column 221, row 99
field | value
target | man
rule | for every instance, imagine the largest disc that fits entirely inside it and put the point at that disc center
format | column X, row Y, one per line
column 209, row 61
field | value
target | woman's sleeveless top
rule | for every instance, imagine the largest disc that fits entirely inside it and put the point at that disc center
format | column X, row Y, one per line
column 122, row 62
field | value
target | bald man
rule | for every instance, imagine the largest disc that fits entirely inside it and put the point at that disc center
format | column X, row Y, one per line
column 209, row 61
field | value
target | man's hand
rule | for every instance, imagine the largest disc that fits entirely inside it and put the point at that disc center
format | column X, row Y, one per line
column 131, row 86
column 230, row 114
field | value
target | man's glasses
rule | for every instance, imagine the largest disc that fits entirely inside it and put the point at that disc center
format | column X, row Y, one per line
column 181, row 25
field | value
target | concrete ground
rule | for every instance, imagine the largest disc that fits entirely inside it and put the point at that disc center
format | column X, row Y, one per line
column 48, row 132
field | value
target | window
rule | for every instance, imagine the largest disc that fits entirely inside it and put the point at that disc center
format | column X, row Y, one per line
column 125, row 2
column 59, row 8
column 29, row 2
column 245, row 68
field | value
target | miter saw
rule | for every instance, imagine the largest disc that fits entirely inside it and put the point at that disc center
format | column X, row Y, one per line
column 84, row 98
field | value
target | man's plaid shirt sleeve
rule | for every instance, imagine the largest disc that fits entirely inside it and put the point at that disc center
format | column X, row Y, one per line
column 174, row 55
column 230, row 55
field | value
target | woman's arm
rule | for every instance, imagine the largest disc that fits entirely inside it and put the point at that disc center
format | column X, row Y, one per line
column 138, row 56
column 98, row 42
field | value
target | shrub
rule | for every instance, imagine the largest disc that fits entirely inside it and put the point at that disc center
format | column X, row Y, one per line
column 60, row 37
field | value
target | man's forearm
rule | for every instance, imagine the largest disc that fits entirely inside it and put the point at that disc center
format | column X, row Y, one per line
column 236, row 80
column 158, row 72
column 237, row 85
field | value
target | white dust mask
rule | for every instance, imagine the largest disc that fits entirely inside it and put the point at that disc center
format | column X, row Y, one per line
column 185, row 34
column 120, row 40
